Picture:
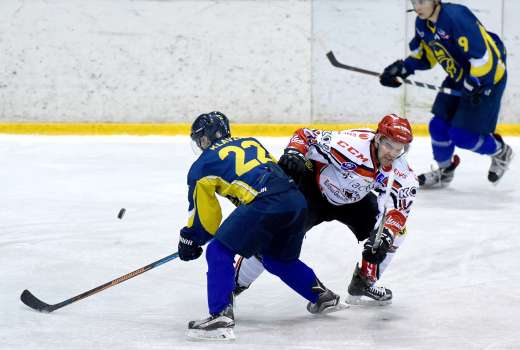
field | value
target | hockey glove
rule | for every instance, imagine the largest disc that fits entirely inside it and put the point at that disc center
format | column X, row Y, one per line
column 188, row 249
column 390, row 74
column 293, row 163
column 473, row 90
column 377, row 257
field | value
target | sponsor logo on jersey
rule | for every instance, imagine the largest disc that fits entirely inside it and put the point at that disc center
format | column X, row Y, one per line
column 348, row 166
column 443, row 34
column 399, row 173
column 297, row 139
column 333, row 189
column 363, row 136
column 380, row 178
column 421, row 34
column 407, row 192
column 393, row 223
column 353, row 151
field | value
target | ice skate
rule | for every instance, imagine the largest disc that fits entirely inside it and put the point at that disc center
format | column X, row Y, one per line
column 441, row 177
column 500, row 161
column 362, row 291
column 238, row 289
column 215, row 327
column 327, row 302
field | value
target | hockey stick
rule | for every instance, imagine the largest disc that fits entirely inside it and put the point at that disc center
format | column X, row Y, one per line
column 337, row 64
column 33, row 302
column 377, row 239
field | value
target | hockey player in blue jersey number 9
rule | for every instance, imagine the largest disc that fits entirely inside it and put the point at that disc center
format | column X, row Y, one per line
column 268, row 222
column 475, row 60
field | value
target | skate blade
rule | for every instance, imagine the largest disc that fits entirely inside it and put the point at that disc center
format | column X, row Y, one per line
column 366, row 301
column 220, row 334
column 338, row 307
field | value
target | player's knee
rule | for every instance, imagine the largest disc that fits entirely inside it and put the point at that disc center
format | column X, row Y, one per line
column 464, row 138
column 217, row 253
column 272, row 265
column 438, row 128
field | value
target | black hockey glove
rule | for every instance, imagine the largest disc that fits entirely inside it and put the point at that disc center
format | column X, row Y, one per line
column 377, row 257
column 188, row 249
column 473, row 90
column 293, row 163
column 390, row 74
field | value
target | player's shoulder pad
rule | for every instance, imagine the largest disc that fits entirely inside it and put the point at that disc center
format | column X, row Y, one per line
column 354, row 144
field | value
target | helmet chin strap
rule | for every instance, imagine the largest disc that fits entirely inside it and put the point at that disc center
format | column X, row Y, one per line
column 434, row 9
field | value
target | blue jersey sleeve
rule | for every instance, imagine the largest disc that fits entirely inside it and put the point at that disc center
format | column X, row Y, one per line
column 478, row 47
column 421, row 55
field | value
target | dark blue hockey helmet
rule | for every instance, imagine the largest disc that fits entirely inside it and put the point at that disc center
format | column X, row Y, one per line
column 208, row 128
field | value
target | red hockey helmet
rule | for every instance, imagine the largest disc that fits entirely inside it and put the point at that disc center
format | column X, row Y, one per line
column 396, row 128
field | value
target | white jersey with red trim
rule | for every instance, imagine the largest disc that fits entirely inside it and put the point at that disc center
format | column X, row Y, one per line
column 348, row 169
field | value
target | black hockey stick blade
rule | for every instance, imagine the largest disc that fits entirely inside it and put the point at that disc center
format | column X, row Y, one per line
column 334, row 61
column 34, row 303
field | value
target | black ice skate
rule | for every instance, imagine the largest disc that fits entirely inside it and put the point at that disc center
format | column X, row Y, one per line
column 500, row 161
column 362, row 291
column 441, row 177
column 238, row 289
column 215, row 327
column 328, row 301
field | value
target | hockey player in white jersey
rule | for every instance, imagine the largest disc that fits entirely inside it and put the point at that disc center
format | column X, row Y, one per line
column 344, row 176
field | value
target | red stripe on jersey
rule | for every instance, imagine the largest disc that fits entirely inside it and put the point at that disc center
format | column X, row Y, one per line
column 338, row 156
column 364, row 171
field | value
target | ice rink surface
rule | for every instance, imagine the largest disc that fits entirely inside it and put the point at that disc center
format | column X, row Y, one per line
column 456, row 279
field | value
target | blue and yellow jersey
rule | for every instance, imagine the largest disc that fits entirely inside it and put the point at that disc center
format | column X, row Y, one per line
column 460, row 44
column 239, row 169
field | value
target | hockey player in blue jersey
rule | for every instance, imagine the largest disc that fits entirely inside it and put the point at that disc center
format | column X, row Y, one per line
column 268, row 222
column 475, row 60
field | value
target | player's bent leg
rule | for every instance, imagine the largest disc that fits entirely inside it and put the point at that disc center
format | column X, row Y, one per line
column 443, row 148
column 489, row 144
column 362, row 289
column 246, row 272
column 219, row 325
column 303, row 280
column 500, row 160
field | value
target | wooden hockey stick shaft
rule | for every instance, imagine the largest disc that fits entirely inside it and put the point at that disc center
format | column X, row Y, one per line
column 388, row 189
column 337, row 64
column 33, row 302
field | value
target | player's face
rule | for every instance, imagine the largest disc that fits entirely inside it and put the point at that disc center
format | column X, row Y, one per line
column 423, row 8
column 389, row 150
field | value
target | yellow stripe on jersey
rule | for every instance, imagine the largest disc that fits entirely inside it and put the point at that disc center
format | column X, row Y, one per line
column 424, row 49
column 206, row 204
column 484, row 65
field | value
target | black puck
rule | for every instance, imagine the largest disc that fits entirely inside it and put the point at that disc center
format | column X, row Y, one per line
column 121, row 213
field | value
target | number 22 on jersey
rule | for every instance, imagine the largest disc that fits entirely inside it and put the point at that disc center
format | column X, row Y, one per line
column 241, row 166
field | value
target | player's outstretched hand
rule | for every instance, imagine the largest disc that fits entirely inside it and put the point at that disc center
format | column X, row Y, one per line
column 188, row 249
column 377, row 257
column 390, row 74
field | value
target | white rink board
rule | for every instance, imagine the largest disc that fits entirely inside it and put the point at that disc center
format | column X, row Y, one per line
column 259, row 61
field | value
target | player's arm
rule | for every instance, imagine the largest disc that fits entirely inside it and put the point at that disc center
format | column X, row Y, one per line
column 204, row 218
column 293, row 160
column 402, row 195
column 487, row 67
column 421, row 58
